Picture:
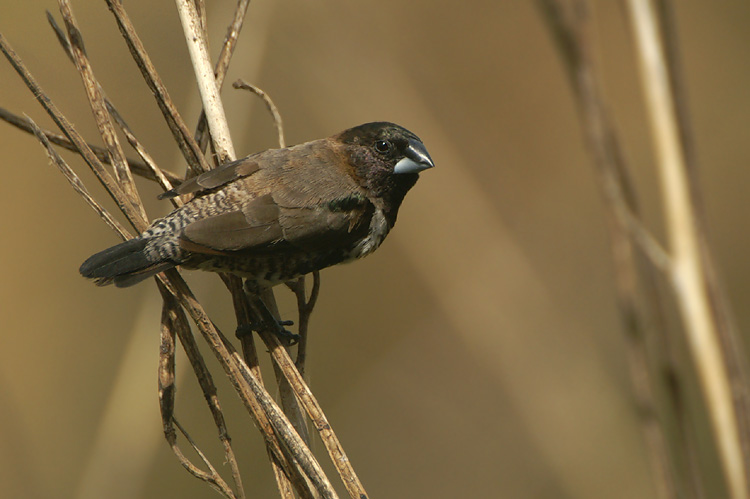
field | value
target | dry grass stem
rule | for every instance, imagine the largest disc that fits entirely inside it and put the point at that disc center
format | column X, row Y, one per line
column 222, row 63
column 733, row 348
column 174, row 318
column 224, row 148
column 305, row 307
column 248, row 387
column 212, row 477
column 158, row 174
column 166, row 377
column 204, row 76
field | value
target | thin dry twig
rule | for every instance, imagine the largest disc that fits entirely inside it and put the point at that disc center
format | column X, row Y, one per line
column 150, row 165
column 107, row 130
column 166, row 393
column 305, row 308
column 159, row 175
column 731, row 341
column 74, row 138
column 212, row 477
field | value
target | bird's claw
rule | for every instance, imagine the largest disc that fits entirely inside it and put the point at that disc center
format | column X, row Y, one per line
column 277, row 328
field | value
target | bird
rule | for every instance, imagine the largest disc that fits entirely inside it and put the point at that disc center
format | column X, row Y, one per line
column 278, row 214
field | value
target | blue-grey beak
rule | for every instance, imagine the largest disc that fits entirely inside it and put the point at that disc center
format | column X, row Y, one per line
column 416, row 159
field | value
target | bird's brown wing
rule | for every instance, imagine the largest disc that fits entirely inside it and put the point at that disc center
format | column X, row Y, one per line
column 309, row 202
column 264, row 226
column 217, row 177
column 313, row 156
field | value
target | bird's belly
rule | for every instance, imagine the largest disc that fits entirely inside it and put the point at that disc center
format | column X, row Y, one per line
column 267, row 270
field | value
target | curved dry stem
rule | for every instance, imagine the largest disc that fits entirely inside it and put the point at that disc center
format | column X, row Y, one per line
column 211, row 477
column 242, row 84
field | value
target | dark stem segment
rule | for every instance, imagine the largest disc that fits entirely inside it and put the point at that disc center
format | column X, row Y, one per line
column 175, row 321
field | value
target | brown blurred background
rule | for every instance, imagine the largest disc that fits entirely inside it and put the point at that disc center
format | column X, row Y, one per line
column 477, row 354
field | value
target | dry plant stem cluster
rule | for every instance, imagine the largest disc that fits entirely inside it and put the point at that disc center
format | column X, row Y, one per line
column 136, row 166
column 709, row 334
column 706, row 329
column 295, row 468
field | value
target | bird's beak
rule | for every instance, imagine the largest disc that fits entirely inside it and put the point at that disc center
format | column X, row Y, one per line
column 416, row 160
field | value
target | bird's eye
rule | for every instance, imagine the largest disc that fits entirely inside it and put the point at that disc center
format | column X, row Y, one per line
column 383, row 146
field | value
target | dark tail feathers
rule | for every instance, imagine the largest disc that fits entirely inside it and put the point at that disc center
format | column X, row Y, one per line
column 124, row 264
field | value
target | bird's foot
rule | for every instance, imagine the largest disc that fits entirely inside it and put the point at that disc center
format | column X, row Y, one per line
column 276, row 327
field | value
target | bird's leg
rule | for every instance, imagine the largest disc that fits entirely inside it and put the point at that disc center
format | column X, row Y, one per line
column 267, row 320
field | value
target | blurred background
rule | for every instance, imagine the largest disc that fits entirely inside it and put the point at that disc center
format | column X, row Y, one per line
column 478, row 353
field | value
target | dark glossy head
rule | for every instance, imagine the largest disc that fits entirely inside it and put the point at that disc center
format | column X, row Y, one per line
column 387, row 159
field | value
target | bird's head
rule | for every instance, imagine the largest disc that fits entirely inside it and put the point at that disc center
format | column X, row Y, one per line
column 386, row 159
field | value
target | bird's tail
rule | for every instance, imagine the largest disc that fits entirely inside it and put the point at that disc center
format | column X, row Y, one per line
column 125, row 264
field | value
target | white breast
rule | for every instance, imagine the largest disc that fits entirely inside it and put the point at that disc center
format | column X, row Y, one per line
column 378, row 230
